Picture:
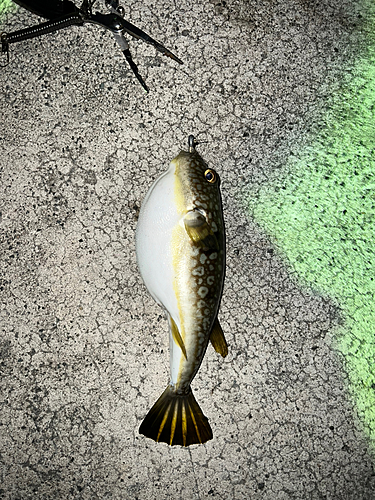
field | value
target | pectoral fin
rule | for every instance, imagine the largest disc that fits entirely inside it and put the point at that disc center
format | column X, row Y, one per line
column 177, row 336
column 199, row 231
column 218, row 340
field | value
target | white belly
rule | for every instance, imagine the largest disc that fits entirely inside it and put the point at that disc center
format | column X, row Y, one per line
column 157, row 219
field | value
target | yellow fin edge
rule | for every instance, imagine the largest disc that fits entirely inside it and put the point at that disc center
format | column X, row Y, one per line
column 176, row 419
column 177, row 336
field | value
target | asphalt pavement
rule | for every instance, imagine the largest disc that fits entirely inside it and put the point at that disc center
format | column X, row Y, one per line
column 83, row 346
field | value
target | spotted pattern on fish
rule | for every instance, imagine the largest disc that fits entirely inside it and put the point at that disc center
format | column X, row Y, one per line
column 199, row 273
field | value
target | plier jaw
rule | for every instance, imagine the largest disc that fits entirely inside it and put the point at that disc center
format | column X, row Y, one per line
column 115, row 23
column 64, row 13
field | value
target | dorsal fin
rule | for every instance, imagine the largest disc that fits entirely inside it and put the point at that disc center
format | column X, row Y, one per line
column 218, row 340
column 177, row 336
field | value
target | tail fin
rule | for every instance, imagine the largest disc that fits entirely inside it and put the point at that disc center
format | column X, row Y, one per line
column 176, row 419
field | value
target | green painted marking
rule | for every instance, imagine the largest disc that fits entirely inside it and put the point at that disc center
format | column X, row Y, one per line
column 5, row 6
column 321, row 212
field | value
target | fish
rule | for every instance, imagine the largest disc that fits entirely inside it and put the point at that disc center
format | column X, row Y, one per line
column 180, row 248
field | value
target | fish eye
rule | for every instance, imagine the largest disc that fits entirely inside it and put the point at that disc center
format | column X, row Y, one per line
column 210, row 175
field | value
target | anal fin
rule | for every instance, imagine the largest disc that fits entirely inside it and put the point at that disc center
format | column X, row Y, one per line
column 218, row 340
column 177, row 336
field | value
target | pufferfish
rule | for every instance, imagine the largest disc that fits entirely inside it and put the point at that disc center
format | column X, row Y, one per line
column 180, row 246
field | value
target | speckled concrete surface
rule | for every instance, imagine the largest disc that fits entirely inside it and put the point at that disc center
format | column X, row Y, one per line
column 83, row 347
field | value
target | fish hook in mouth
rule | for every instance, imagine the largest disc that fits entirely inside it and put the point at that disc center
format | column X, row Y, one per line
column 192, row 143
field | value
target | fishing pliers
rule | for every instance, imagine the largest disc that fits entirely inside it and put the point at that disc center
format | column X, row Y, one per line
column 64, row 13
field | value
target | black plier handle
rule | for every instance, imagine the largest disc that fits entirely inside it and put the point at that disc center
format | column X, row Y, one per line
column 113, row 22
